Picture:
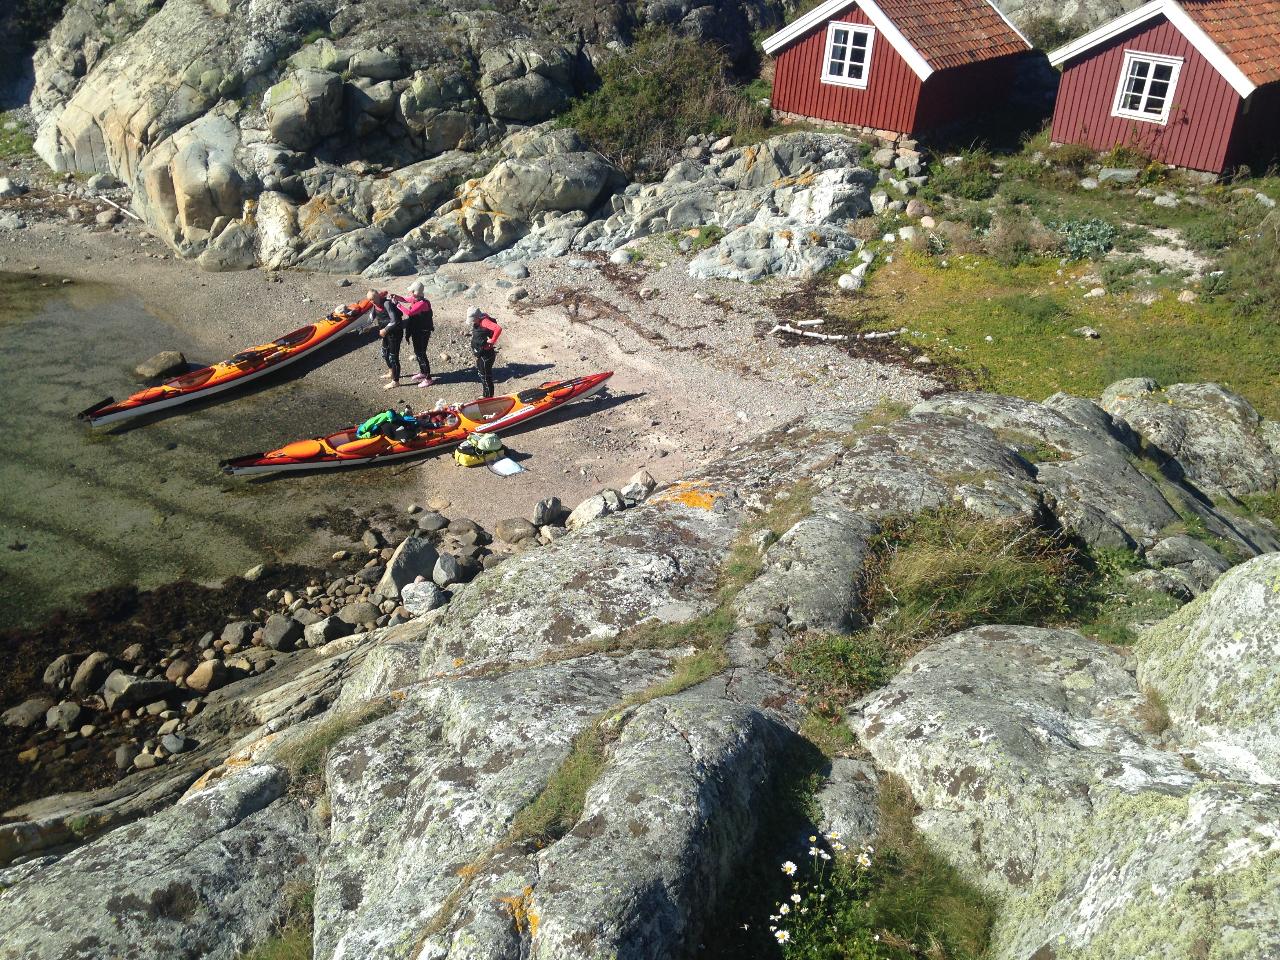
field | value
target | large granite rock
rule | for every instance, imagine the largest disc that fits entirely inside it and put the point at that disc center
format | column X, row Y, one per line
column 1029, row 755
column 207, row 877
column 1205, row 432
column 1216, row 664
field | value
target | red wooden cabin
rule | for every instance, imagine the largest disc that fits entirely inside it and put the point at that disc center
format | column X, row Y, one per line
column 1194, row 83
column 905, row 66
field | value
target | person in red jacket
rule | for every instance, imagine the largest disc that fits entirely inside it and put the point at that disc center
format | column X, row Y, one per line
column 485, row 332
column 418, row 322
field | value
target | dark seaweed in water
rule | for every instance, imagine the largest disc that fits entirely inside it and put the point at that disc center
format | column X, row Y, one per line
column 167, row 618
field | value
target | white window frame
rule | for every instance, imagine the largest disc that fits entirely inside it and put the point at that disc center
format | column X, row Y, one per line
column 1155, row 59
column 869, row 32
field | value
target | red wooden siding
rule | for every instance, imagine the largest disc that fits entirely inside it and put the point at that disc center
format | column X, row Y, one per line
column 1201, row 119
column 887, row 103
column 964, row 92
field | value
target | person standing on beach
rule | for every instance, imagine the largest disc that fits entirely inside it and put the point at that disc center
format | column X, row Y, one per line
column 485, row 332
column 419, row 323
column 386, row 315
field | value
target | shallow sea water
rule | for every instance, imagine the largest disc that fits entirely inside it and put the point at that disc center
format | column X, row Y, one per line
column 144, row 502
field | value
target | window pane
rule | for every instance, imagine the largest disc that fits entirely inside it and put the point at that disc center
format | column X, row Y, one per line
column 860, row 41
column 1163, row 71
column 1154, row 105
column 1159, row 88
column 840, row 36
column 836, row 68
column 855, row 71
column 1132, row 101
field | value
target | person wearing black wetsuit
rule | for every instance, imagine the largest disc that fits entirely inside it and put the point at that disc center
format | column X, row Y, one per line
column 485, row 332
column 386, row 314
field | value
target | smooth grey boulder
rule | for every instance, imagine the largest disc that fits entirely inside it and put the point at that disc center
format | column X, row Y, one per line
column 420, row 598
column 994, row 727
column 65, row 716
column 588, row 511
column 58, row 675
column 304, row 107
column 1194, row 560
column 1216, row 664
column 239, row 632
column 359, row 613
column 208, row 876
column 514, row 530
column 125, row 691
column 326, row 630
column 376, row 65
column 281, row 632
column 208, row 676
column 549, row 510
column 449, row 570
column 1079, row 456
column 26, row 714
column 90, row 674
column 432, row 522
column 1214, row 437
column 414, row 557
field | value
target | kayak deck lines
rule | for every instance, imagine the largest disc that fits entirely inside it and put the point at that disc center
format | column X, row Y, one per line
column 244, row 367
column 437, row 430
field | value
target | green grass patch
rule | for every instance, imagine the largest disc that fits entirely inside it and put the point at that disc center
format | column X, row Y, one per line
column 293, row 940
column 893, row 900
column 14, row 143
column 956, row 308
column 1265, row 505
column 307, row 755
column 973, row 178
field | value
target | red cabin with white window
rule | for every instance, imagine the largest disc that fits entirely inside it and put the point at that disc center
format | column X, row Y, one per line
column 1194, row 83
column 905, row 66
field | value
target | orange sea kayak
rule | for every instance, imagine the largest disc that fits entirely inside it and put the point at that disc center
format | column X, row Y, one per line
column 243, row 367
column 436, row 430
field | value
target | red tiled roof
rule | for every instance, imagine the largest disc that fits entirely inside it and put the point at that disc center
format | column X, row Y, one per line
column 1248, row 31
column 952, row 33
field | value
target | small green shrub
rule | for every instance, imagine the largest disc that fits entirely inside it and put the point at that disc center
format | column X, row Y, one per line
column 1210, row 235
column 1084, row 239
column 293, row 940
column 651, row 97
column 973, row 178
column 947, row 570
column 1122, row 274
column 1153, row 712
column 1047, row 32
column 1036, row 313
column 1076, row 157
column 892, row 900
column 1251, row 270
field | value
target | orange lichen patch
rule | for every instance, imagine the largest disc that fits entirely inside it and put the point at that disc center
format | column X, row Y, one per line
column 526, row 920
column 808, row 178
column 690, row 494
column 397, row 695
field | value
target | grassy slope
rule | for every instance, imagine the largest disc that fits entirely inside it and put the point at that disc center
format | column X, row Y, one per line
column 1029, row 311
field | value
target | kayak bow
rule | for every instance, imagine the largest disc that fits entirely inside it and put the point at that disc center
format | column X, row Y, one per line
column 238, row 370
column 437, row 430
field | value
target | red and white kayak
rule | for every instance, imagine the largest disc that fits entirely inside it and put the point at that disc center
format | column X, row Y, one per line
column 437, row 430
column 246, row 366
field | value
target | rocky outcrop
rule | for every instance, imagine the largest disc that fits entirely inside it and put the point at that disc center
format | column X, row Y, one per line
column 572, row 758
column 206, row 109
column 1142, row 853
column 1208, row 434
column 1216, row 664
